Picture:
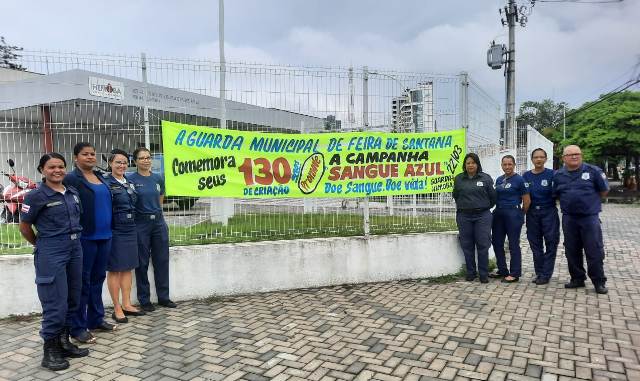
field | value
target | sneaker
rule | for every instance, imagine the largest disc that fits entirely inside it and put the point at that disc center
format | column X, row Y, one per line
column 601, row 288
column 574, row 283
column 147, row 307
column 167, row 303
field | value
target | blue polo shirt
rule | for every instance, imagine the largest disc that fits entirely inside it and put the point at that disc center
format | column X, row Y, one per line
column 53, row 213
column 579, row 190
column 510, row 190
column 540, row 187
column 149, row 190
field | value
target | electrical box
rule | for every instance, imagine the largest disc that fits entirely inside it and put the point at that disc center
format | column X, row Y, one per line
column 495, row 56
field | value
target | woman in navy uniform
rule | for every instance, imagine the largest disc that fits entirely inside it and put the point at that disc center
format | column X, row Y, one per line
column 124, row 242
column 474, row 195
column 55, row 211
column 508, row 218
column 153, row 233
column 542, row 217
column 96, row 242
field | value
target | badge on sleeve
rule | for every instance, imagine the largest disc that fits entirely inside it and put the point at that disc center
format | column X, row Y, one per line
column 479, row 184
column 526, row 185
column 544, row 183
column 585, row 176
column 25, row 208
column 603, row 176
column 158, row 187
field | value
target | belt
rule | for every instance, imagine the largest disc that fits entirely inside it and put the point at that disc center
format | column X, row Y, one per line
column 148, row 216
column 508, row 207
column 540, row 207
column 474, row 210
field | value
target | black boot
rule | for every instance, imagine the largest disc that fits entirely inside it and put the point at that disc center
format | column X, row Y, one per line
column 52, row 357
column 68, row 348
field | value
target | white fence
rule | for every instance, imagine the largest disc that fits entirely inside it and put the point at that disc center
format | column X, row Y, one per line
column 53, row 106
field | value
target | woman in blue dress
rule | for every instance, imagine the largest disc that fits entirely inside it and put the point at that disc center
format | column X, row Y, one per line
column 55, row 210
column 124, row 242
column 96, row 241
column 508, row 217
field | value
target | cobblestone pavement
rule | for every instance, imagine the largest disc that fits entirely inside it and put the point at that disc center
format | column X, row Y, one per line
column 411, row 330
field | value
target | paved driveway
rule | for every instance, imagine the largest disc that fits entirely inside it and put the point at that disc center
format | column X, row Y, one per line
column 411, row 330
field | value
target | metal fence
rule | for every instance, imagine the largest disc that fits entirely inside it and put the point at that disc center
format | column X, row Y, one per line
column 53, row 106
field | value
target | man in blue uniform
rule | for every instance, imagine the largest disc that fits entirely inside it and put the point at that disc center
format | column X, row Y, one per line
column 579, row 187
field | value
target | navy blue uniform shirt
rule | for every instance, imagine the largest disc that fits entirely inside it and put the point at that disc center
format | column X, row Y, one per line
column 579, row 190
column 474, row 192
column 52, row 213
column 149, row 189
column 540, row 187
column 124, row 195
column 510, row 190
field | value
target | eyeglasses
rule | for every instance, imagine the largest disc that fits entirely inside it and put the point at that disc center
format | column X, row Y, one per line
column 572, row 155
column 144, row 158
column 125, row 163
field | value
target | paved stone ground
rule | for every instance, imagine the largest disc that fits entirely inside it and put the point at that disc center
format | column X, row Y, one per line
column 411, row 330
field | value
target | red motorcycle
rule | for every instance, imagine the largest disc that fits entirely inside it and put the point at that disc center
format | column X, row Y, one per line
column 13, row 195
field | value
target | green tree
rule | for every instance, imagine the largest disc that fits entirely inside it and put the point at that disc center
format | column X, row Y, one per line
column 8, row 54
column 542, row 116
column 606, row 130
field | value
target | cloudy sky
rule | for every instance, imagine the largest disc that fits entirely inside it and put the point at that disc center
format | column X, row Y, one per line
column 567, row 52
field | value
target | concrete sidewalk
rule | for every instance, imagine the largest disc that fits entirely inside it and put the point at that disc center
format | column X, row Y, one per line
column 410, row 330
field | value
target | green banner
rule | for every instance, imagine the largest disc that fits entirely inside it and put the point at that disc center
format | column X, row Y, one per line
column 211, row 162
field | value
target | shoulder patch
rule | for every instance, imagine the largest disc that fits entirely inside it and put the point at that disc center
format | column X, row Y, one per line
column 603, row 175
column 25, row 208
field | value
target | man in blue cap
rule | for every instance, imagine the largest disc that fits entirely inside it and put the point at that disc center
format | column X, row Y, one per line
column 579, row 187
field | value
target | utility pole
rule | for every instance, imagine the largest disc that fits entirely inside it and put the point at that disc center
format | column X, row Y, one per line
column 511, row 13
column 500, row 54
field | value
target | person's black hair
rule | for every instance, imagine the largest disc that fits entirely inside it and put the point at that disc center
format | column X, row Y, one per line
column 48, row 156
column 539, row 149
column 80, row 146
column 138, row 150
column 509, row 157
column 475, row 158
column 117, row 151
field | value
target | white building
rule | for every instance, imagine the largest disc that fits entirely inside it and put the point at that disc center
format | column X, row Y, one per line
column 413, row 111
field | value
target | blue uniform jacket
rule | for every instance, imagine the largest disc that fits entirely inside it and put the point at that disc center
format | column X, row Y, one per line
column 77, row 180
column 579, row 190
column 124, row 196
column 52, row 213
